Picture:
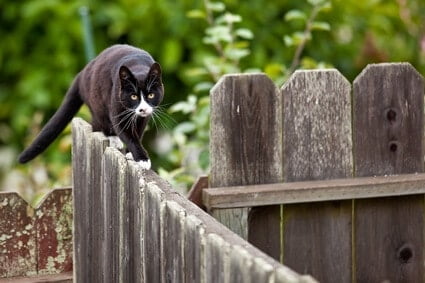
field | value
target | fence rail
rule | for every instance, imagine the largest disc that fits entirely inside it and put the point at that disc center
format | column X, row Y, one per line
column 131, row 226
column 318, row 127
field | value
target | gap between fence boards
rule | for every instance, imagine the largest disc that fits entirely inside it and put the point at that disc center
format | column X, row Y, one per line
column 314, row 191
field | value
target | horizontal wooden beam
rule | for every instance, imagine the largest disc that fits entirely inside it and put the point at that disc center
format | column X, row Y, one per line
column 61, row 277
column 314, row 191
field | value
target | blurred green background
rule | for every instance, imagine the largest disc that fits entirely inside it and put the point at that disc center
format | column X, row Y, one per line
column 42, row 48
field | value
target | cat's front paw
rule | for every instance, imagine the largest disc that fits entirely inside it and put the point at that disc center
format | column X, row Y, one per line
column 145, row 164
column 129, row 156
column 115, row 141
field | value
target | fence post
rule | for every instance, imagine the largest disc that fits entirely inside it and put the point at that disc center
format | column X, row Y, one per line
column 316, row 146
column 388, row 133
column 245, row 149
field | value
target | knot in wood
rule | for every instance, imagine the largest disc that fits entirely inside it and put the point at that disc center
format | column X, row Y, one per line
column 405, row 253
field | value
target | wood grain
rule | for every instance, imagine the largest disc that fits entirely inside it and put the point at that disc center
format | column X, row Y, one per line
column 388, row 123
column 82, row 236
column 316, row 146
column 314, row 191
column 245, row 137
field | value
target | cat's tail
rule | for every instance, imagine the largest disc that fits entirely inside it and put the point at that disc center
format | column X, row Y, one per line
column 69, row 107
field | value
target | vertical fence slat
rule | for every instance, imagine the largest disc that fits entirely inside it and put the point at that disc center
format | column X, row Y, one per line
column 388, row 133
column 216, row 253
column 152, row 231
column 81, row 195
column 317, row 145
column 193, row 249
column 134, row 225
column 96, row 147
column 114, row 167
column 245, row 149
column 173, row 242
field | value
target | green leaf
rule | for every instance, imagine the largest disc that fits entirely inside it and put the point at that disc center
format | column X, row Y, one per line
column 203, row 86
column 196, row 14
column 316, row 2
column 216, row 6
column 185, row 127
column 244, row 33
column 229, row 18
column 236, row 54
column 326, row 7
column 216, row 34
column 321, row 26
column 288, row 40
column 295, row 15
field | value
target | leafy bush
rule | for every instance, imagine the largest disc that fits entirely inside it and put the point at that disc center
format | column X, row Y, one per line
column 196, row 42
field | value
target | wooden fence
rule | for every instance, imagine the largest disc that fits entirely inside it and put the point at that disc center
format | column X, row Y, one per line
column 35, row 241
column 319, row 127
column 130, row 226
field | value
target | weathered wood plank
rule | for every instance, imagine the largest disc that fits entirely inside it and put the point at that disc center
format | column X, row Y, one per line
column 65, row 277
column 97, row 145
column 216, row 253
column 133, row 234
column 81, row 131
column 245, row 147
column 17, row 237
column 152, row 220
column 114, row 167
column 388, row 123
column 173, row 242
column 53, row 225
column 314, row 191
column 316, row 146
column 193, row 249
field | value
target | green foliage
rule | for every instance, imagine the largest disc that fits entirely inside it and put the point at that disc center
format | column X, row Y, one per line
column 196, row 42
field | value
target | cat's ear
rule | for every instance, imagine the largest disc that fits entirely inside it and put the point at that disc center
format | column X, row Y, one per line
column 155, row 71
column 126, row 75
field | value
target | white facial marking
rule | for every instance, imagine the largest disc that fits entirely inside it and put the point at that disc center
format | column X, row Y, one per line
column 143, row 109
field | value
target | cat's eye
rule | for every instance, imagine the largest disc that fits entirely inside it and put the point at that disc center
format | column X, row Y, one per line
column 134, row 97
column 151, row 95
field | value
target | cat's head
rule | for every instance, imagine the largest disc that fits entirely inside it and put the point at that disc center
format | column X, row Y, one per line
column 141, row 92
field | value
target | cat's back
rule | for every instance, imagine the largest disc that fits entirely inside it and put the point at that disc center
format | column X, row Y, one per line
column 114, row 56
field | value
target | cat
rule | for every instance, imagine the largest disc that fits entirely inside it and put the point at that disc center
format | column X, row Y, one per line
column 122, row 87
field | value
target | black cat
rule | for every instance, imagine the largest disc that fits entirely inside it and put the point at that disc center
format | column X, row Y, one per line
column 122, row 87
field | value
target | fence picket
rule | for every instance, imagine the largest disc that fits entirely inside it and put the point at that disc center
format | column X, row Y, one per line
column 316, row 146
column 388, row 133
column 245, row 149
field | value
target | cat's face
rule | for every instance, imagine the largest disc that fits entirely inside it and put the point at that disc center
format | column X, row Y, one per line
column 143, row 94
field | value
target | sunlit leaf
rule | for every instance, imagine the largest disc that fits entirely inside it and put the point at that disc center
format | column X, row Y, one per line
column 216, row 6
column 295, row 15
column 196, row 14
column 321, row 26
column 244, row 33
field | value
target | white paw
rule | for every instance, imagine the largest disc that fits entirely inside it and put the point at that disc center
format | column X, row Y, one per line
column 145, row 164
column 115, row 141
column 129, row 156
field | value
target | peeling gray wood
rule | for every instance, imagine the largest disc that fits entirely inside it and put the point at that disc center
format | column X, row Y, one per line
column 317, row 145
